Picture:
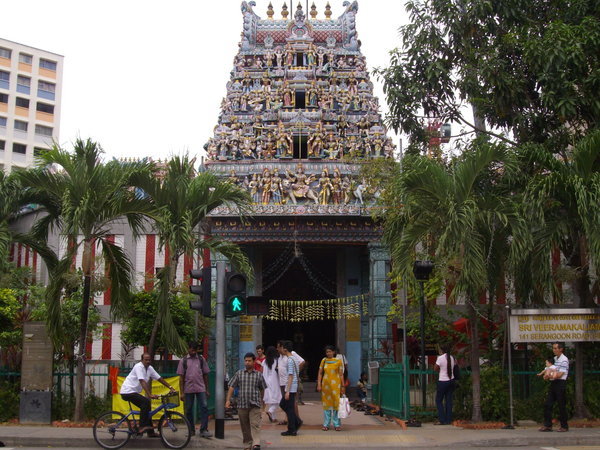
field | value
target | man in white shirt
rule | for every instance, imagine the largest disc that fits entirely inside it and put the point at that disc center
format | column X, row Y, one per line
column 139, row 378
column 557, row 391
column 282, row 364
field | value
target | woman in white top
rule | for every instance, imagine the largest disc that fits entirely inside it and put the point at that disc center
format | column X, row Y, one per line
column 272, row 395
column 445, row 385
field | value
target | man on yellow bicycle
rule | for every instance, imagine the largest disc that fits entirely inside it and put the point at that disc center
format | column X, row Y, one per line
column 140, row 378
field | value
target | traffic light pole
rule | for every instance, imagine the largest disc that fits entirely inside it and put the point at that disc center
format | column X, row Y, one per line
column 220, row 354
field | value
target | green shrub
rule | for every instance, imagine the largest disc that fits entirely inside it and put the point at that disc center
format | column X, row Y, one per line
column 63, row 406
column 591, row 394
column 494, row 395
column 9, row 401
column 93, row 406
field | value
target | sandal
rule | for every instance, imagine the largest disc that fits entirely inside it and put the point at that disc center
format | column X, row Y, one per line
column 325, row 428
column 338, row 428
column 270, row 416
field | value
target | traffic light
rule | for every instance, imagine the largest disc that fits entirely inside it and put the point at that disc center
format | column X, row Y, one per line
column 202, row 290
column 235, row 294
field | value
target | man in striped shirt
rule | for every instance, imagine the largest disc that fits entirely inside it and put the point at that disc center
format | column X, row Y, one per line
column 290, row 390
column 251, row 386
column 557, row 391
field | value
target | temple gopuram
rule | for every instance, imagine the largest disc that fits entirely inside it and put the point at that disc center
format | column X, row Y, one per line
column 298, row 121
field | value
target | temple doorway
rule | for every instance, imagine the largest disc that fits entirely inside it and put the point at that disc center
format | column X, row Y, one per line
column 309, row 274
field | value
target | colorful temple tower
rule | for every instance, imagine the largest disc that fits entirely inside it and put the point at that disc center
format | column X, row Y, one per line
column 298, row 121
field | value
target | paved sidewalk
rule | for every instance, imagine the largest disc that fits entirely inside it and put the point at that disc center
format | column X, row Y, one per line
column 358, row 430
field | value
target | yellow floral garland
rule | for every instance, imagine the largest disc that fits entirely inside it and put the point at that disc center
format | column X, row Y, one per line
column 331, row 308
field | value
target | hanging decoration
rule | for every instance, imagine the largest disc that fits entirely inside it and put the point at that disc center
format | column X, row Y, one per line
column 320, row 283
column 332, row 308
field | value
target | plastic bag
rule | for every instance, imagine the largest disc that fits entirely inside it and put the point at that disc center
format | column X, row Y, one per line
column 344, row 407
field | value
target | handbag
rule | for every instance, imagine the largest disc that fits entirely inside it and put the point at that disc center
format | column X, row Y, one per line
column 344, row 407
column 456, row 371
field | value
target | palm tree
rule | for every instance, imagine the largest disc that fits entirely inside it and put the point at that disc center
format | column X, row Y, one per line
column 563, row 199
column 82, row 197
column 183, row 199
column 456, row 214
column 10, row 203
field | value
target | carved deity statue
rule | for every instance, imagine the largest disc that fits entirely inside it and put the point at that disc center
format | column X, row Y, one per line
column 310, row 56
column 279, row 56
column 289, row 55
column 337, row 192
column 300, row 186
column 315, row 142
column 276, row 186
column 288, row 96
column 325, row 188
column 313, row 96
column 253, row 187
column 284, row 142
column 265, row 185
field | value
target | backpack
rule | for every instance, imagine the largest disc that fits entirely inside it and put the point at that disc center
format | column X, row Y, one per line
column 456, row 370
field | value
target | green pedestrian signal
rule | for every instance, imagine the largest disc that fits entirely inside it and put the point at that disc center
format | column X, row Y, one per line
column 236, row 306
column 235, row 295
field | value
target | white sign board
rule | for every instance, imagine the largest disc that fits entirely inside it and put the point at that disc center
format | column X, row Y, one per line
column 552, row 325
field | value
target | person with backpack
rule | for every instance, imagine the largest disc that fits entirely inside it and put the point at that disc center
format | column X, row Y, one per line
column 449, row 372
column 193, row 385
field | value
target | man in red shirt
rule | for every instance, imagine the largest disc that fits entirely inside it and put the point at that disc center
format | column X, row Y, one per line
column 260, row 357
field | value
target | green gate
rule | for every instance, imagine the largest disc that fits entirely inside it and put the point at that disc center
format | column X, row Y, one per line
column 392, row 393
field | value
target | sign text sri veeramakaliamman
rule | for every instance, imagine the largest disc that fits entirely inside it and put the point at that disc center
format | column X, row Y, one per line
column 550, row 325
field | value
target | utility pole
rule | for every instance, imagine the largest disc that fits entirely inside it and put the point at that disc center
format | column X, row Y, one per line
column 220, row 354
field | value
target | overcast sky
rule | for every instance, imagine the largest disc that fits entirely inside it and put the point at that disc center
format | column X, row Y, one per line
column 146, row 77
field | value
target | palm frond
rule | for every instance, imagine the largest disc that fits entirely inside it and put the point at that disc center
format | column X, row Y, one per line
column 168, row 330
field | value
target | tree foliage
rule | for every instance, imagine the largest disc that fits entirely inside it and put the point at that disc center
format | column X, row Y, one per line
column 83, row 196
column 138, row 324
column 530, row 69
column 182, row 200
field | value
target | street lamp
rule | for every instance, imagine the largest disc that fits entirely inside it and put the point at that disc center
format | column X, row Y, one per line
column 422, row 270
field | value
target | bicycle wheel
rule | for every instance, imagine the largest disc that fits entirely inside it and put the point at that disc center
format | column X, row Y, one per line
column 112, row 430
column 174, row 429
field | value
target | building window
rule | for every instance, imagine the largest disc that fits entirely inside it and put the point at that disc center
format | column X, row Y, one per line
column 46, row 90
column 20, row 125
column 47, row 64
column 3, row 98
column 4, row 79
column 25, row 58
column 37, row 151
column 23, row 84
column 2, row 121
column 22, row 102
column 5, row 53
column 2, row 145
column 45, row 108
column 42, row 130
column 19, row 148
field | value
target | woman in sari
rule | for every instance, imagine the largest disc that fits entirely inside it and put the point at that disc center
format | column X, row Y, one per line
column 272, row 395
column 330, row 384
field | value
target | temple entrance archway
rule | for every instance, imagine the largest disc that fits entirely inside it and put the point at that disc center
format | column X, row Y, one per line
column 312, row 277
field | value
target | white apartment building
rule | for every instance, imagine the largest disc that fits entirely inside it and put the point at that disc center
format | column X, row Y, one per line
column 30, row 94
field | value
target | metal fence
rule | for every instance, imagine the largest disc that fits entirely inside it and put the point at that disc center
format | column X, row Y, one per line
column 97, row 381
column 399, row 391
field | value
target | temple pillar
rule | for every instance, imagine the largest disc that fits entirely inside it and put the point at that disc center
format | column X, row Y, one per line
column 350, row 270
column 379, row 329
